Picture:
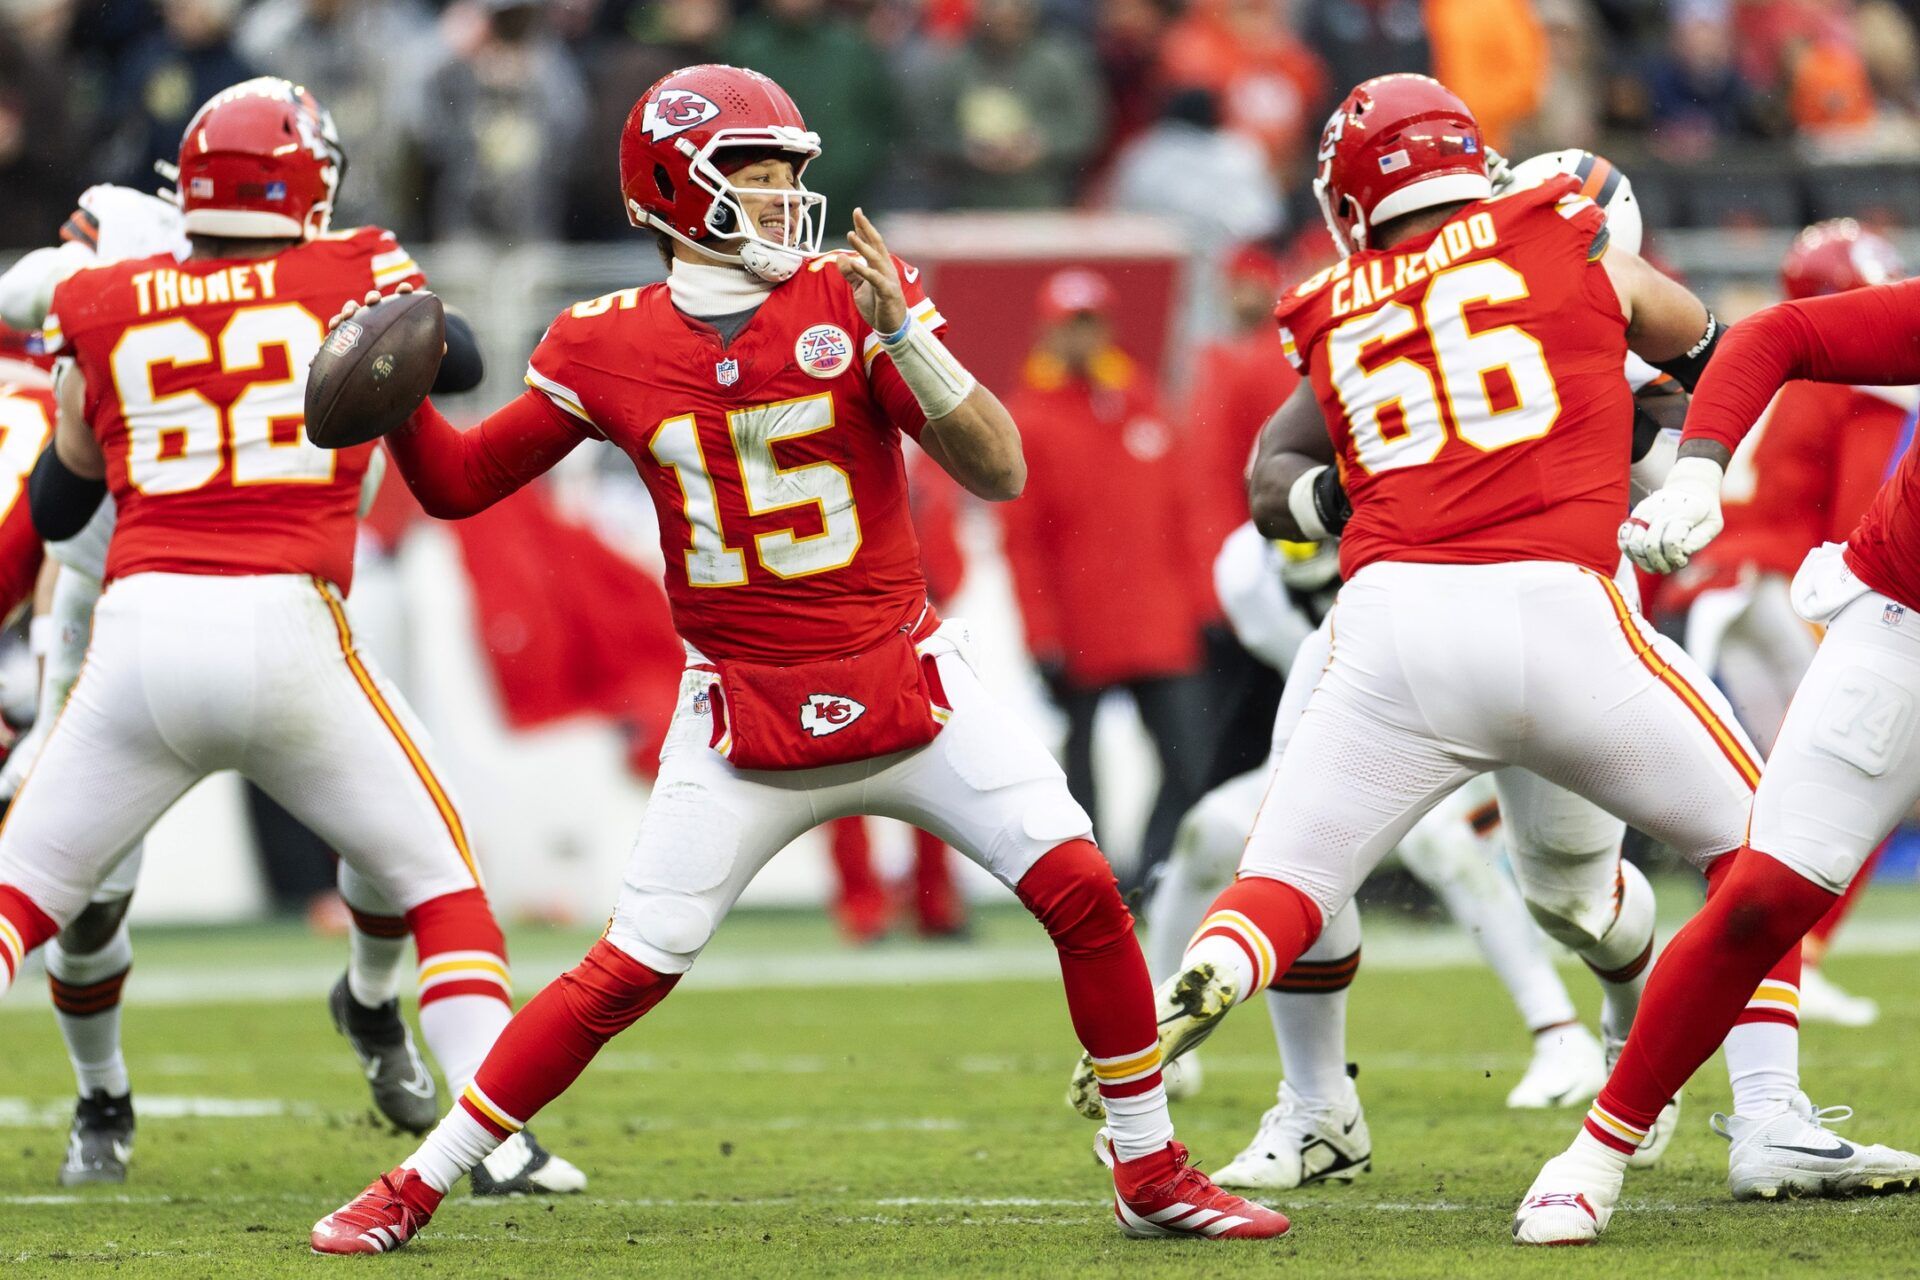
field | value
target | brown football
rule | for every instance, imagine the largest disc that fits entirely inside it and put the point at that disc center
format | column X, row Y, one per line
column 375, row 369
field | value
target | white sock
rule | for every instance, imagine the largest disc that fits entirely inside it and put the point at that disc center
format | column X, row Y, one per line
column 1763, row 1065
column 93, row 1040
column 1591, row 1148
column 1140, row 1125
column 373, row 966
column 1311, row 1026
column 1226, row 956
column 456, row 1144
column 459, row 1030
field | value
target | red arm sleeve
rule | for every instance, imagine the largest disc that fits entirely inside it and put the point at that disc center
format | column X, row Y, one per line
column 457, row 473
column 1869, row 336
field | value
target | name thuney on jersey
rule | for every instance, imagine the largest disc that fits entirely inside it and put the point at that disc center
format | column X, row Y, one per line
column 825, row 713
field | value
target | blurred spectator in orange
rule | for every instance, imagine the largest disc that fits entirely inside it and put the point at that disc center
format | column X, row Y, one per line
column 1361, row 39
column 1240, row 380
column 360, row 58
column 841, row 85
column 863, row 904
column 1111, row 581
column 1270, row 85
column 1493, row 53
column 1009, row 118
column 500, row 123
column 1828, row 91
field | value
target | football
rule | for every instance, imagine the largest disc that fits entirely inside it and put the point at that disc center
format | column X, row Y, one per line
column 375, row 369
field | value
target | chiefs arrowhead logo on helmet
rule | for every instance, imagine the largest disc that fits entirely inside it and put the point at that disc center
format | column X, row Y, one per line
column 676, row 111
column 825, row 713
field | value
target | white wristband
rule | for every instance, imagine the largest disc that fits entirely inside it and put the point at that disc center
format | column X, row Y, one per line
column 1300, row 502
column 937, row 380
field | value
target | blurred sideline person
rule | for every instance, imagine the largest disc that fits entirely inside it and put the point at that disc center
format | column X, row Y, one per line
column 761, row 392
column 219, row 640
column 1803, row 477
column 1103, row 547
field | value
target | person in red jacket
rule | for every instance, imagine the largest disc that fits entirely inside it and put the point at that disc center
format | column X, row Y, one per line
column 1107, row 565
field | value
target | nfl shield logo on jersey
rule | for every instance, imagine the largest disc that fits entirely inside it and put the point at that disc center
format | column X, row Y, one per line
column 727, row 372
column 825, row 713
column 824, row 350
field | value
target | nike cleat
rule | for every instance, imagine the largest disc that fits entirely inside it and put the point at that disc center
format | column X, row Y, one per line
column 1163, row 1195
column 1299, row 1144
column 1664, row 1126
column 520, row 1166
column 380, row 1219
column 1567, row 1070
column 1571, row 1201
column 1188, row 1006
column 403, row 1088
column 1796, row 1154
column 100, row 1142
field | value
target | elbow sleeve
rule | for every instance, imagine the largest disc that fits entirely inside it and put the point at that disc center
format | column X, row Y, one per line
column 462, row 368
column 60, row 501
column 1687, row 367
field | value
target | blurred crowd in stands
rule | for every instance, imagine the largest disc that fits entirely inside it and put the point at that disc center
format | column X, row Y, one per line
column 496, row 119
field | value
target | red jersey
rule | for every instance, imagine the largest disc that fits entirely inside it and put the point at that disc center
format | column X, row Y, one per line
column 1868, row 336
column 1470, row 379
column 26, row 425
column 774, row 460
column 1804, row 476
column 196, row 378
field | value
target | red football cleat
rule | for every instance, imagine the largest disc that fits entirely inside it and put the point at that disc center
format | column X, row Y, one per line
column 382, row 1218
column 1163, row 1195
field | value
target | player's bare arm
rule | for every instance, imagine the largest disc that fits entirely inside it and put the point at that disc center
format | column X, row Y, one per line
column 975, row 439
column 1293, row 489
column 68, row 482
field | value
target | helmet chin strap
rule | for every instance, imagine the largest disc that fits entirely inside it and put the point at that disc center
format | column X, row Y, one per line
column 760, row 259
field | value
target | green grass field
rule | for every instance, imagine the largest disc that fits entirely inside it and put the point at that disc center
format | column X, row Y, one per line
column 758, row 1125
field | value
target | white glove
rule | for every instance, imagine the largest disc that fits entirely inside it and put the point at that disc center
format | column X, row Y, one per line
column 1677, row 519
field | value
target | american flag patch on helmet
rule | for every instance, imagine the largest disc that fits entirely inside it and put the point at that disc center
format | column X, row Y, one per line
column 1394, row 161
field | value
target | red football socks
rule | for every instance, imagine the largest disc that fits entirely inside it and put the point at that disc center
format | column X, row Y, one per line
column 1261, row 927
column 551, row 1041
column 23, row 927
column 1706, row 980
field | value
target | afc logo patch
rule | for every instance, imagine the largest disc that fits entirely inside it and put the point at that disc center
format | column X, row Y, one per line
column 676, row 111
column 824, row 351
column 825, row 713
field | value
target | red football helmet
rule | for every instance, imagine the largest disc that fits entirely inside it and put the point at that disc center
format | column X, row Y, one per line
column 260, row 160
column 1397, row 144
column 1837, row 255
column 674, row 175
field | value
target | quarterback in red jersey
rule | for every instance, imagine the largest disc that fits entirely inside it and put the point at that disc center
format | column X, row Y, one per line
column 761, row 392
column 1802, row 477
column 1466, row 424
column 1845, row 768
column 221, row 641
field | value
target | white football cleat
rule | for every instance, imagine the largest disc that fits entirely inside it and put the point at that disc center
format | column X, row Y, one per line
column 1188, row 1006
column 1822, row 1001
column 1183, row 1078
column 1665, row 1125
column 1796, row 1154
column 1567, row 1070
column 1300, row 1143
column 1571, row 1201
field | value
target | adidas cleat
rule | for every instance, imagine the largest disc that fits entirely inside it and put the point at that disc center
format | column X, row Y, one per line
column 1163, row 1195
column 1189, row 1005
column 520, row 1166
column 1796, row 1154
column 100, row 1142
column 380, row 1219
column 1571, row 1201
column 1299, row 1144
column 403, row 1088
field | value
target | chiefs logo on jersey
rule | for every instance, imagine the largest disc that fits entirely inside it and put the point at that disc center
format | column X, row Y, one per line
column 676, row 111
column 825, row 713
column 824, row 350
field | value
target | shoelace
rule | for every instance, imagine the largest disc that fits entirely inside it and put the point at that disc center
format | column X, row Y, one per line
column 373, row 1208
column 1823, row 1118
